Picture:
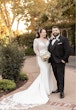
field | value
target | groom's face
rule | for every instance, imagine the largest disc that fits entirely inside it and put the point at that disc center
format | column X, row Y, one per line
column 55, row 31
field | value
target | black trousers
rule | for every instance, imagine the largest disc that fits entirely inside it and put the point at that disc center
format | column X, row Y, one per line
column 59, row 72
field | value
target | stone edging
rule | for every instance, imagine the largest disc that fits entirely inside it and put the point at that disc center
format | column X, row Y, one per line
column 68, row 105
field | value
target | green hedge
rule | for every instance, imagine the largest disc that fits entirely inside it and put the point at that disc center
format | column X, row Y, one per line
column 23, row 77
column 7, row 85
column 29, row 51
column 11, row 61
column 25, row 41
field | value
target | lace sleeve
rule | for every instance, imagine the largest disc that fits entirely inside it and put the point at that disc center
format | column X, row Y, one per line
column 35, row 47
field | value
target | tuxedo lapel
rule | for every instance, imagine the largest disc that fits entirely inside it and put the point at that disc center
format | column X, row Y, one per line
column 53, row 46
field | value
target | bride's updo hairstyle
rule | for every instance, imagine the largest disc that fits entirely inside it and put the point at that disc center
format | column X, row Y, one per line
column 39, row 31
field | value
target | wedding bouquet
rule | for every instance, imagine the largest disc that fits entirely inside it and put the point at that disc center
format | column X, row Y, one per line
column 45, row 55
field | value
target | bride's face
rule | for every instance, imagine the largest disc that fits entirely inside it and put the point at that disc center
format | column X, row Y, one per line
column 43, row 33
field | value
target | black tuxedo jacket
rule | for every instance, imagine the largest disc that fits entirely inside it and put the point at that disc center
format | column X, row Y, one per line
column 60, row 50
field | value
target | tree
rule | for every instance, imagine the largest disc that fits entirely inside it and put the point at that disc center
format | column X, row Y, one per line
column 12, row 10
column 3, row 30
column 69, row 10
column 37, row 13
column 52, row 12
column 60, row 11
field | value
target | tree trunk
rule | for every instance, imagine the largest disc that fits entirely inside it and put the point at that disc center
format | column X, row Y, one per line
column 11, row 34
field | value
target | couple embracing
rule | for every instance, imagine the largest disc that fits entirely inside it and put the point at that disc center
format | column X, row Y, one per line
column 59, row 49
column 53, row 52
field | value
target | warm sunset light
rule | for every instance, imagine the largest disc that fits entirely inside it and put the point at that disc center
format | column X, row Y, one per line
column 21, row 27
column 18, row 26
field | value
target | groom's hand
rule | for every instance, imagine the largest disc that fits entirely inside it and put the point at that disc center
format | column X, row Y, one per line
column 52, row 36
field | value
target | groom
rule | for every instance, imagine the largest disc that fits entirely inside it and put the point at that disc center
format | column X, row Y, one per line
column 60, row 51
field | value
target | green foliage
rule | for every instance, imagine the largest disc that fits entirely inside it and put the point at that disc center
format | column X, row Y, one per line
column 11, row 61
column 7, row 85
column 18, row 8
column 23, row 77
column 44, row 18
column 36, row 10
column 26, row 41
column 27, row 10
column 29, row 51
column 56, row 11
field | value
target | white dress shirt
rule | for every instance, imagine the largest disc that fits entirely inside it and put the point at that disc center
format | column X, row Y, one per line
column 54, row 39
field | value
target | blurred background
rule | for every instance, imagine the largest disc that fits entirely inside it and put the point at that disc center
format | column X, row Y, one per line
column 21, row 19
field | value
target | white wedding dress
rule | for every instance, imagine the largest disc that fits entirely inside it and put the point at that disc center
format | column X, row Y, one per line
column 39, row 90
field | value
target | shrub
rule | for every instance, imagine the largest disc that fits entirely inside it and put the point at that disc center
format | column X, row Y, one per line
column 23, row 77
column 7, row 85
column 26, row 41
column 11, row 61
column 29, row 51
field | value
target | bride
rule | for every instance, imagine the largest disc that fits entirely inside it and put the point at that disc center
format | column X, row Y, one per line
column 38, row 92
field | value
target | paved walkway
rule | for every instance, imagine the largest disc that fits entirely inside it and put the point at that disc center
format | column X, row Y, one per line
column 55, row 103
